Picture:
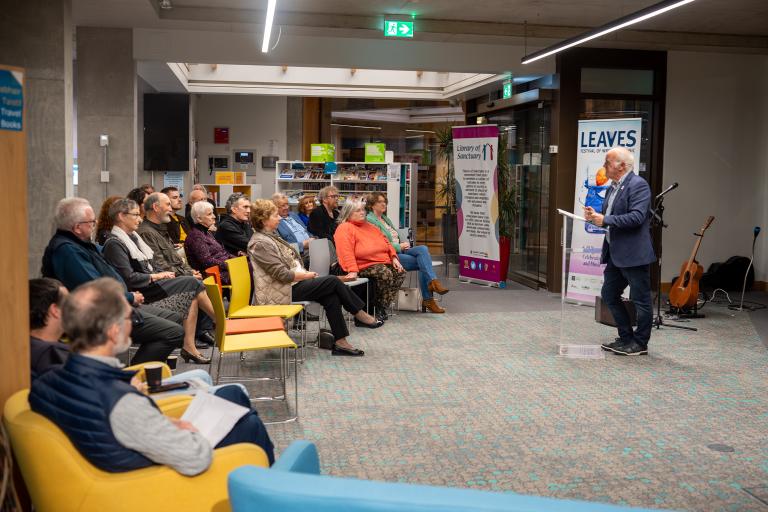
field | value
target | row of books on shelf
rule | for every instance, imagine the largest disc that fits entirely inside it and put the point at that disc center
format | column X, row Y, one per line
column 354, row 175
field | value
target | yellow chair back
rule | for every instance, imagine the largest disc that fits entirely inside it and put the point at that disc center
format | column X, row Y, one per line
column 240, row 279
column 212, row 289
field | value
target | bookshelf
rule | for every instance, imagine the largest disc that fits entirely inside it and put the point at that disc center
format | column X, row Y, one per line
column 296, row 179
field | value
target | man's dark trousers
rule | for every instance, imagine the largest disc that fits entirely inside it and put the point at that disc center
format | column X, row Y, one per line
column 615, row 280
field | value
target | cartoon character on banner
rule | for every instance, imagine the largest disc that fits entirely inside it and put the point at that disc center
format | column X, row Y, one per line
column 596, row 188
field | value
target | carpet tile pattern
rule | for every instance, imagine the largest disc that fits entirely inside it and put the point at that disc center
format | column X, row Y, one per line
column 481, row 400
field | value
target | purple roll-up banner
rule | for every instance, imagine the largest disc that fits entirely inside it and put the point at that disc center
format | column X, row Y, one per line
column 475, row 157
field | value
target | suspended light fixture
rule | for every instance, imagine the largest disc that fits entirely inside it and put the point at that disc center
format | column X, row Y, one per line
column 625, row 21
column 268, row 25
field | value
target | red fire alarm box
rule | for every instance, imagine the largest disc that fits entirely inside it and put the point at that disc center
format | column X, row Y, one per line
column 221, row 135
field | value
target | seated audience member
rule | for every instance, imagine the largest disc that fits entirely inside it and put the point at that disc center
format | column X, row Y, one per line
column 177, row 226
column 364, row 251
column 412, row 258
column 147, row 188
column 73, row 259
column 291, row 229
column 156, row 233
column 322, row 220
column 234, row 230
column 138, row 195
column 46, row 351
column 118, row 428
column 306, row 205
column 45, row 330
column 104, row 223
column 194, row 197
column 201, row 247
column 131, row 257
column 280, row 279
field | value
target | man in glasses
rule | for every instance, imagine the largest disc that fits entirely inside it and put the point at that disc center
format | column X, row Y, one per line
column 322, row 221
column 73, row 258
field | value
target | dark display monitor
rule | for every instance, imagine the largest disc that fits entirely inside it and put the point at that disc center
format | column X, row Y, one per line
column 166, row 132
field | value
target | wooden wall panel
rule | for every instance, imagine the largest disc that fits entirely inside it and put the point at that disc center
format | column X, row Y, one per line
column 14, row 299
column 311, row 126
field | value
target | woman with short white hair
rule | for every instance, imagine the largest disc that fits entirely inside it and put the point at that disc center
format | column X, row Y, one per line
column 202, row 249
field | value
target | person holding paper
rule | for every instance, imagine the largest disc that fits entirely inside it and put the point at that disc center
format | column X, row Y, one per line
column 627, row 251
column 109, row 421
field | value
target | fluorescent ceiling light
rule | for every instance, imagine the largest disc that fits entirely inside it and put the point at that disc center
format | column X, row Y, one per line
column 268, row 25
column 357, row 126
column 625, row 21
column 420, row 131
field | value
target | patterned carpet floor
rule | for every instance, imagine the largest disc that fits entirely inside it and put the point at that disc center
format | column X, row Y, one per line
column 481, row 400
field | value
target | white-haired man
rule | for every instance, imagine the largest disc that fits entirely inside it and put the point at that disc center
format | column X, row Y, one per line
column 72, row 258
column 627, row 251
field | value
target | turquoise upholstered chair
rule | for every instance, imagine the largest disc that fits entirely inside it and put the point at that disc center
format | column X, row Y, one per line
column 294, row 484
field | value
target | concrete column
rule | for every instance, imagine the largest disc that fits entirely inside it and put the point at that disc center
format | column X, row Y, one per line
column 106, row 104
column 37, row 35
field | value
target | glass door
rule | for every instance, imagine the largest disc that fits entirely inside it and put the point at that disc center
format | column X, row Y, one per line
column 527, row 131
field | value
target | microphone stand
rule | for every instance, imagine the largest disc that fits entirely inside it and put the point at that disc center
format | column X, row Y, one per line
column 657, row 213
column 746, row 274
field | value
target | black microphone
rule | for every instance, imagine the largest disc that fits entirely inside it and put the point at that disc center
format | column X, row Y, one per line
column 669, row 189
column 756, row 231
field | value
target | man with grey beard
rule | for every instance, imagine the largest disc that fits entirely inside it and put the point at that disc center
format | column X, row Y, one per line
column 154, row 232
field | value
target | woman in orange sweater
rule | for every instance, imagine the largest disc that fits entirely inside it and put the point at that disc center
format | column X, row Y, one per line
column 363, row 250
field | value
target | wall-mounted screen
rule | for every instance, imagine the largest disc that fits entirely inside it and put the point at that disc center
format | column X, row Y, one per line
column 166, row 132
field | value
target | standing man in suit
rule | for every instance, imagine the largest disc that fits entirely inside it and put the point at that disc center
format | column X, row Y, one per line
column 627, row 251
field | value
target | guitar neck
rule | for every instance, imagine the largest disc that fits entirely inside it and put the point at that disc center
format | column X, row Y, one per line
column 695, row 250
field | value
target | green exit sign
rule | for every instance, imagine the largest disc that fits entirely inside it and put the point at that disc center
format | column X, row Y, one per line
column 506, row 91
column 398, row 28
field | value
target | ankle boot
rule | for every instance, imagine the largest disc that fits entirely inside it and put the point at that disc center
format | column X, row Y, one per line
column 436, row 286
column 431, row 305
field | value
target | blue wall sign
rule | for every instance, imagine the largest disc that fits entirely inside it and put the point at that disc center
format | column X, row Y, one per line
column 11, row 100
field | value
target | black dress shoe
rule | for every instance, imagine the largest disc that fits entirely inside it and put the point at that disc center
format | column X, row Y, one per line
column 382, row 315
column 206, row 338
column 374, row 325
column 610, row 346
column 344, row 351
column 632, row 348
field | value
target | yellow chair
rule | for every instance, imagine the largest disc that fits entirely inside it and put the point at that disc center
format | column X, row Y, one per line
column 240, row 301
column 228, row 343
column 59, row 479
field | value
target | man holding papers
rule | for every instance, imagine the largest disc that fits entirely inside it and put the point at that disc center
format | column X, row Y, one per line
column 111, row 423
column 627, row 251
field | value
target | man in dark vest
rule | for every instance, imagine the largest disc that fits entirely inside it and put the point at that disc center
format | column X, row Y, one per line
column 98, row 406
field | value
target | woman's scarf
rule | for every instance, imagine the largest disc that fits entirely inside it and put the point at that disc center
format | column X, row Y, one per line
column 138, row 250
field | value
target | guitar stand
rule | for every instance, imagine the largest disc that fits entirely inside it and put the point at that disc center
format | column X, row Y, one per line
column 685, row 313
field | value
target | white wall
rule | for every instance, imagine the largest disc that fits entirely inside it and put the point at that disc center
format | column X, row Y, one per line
column 252, row 121
column 716, row 147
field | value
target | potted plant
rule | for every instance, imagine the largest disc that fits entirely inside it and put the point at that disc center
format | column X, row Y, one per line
column 507, row 205
column 446, row 192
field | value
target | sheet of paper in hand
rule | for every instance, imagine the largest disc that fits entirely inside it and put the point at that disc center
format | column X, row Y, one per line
column 214, row 417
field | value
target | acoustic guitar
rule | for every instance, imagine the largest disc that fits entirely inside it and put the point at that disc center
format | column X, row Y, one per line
column 685, row 290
